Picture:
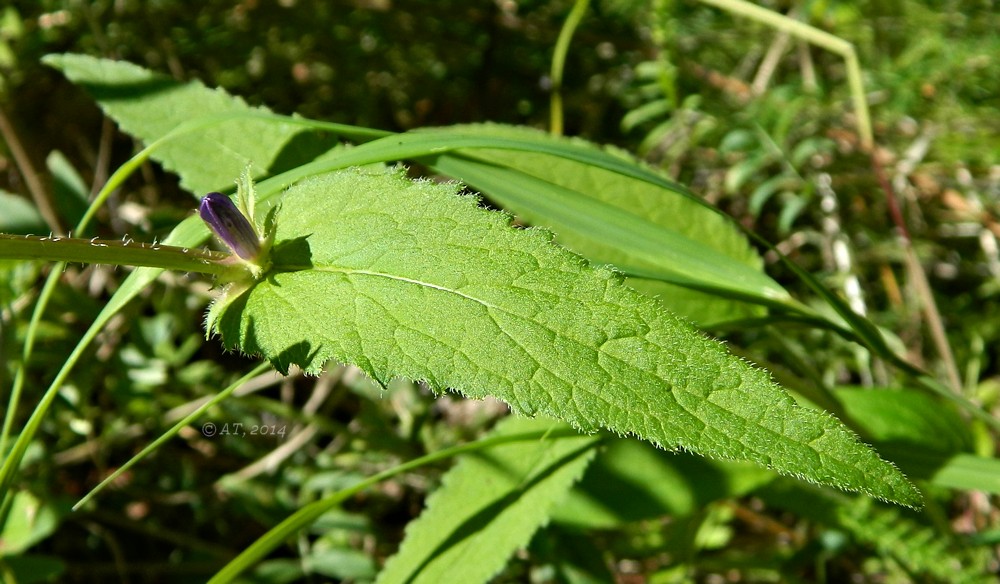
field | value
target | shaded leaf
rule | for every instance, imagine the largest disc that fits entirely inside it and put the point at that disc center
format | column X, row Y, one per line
column 631, row 480
column 907, row 417
column 149, row 106
column 489, row 505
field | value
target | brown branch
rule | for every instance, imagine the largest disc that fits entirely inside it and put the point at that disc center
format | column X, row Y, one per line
column 38, row 193
column 919, row 278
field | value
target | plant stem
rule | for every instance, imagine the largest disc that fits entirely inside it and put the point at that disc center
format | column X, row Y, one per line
column 38, row 193
column 559, row 62
column 306, row 515
column 819, row 38
column 186, row 232
column 128, row 252
column 919, row 280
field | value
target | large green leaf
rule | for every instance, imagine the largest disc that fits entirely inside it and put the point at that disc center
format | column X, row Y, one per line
column 110, row 82
column 149, row 106
column 488, row 506
column 635, row 220
column 405, row 279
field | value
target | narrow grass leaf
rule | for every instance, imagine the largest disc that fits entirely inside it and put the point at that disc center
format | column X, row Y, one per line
column 639, row 226
column 607, row 234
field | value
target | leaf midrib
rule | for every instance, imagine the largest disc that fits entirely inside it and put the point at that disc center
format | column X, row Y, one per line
column 672, row 387
column 489, row 305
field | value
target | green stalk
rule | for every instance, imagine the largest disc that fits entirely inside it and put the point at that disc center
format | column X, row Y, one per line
column 308, row 514
column 12, row 460
column 559, row 62
column 173, row 431
column 65, row 250
column 186, row 231
column 190, row 232
column 128, row 253
column 819, row 38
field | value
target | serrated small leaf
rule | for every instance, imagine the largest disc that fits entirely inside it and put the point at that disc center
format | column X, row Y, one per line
column 738, row 140
column 489, row 506
column 808, row 148
column 649, row 111
column 406, row 279
column 793, row 206
column 763, row 193
column 928, row 553
column 149, row 106
column 743, row 171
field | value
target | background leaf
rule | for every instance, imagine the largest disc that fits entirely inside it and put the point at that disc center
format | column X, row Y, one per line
column 489, row 505
column 20, row 215
column 405, row 279
column 29, row 520
column 923, row 434
column 69, row 192
column 907, row 418
column 632, row 480
column 639, row 226
column 149, row 106
column 899, row 536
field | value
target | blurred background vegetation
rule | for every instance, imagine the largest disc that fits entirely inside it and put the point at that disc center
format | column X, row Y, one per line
column 752, row 120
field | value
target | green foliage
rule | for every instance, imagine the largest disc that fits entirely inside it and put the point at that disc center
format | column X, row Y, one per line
column 405, row 279
column 626, row 484
column 151, row 106
column 776, row 157
column 907, row 417
column 671, row 245
column 19, row 216
column 910, row 547
column 760, row 130
column 29, row 521
column 488, row 506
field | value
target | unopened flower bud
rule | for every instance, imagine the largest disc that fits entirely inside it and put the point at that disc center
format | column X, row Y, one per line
column 229, row 225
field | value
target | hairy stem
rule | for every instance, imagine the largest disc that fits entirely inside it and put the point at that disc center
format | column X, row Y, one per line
column 127, row 252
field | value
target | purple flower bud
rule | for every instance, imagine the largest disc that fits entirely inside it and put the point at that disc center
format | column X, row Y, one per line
column 229, row 225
